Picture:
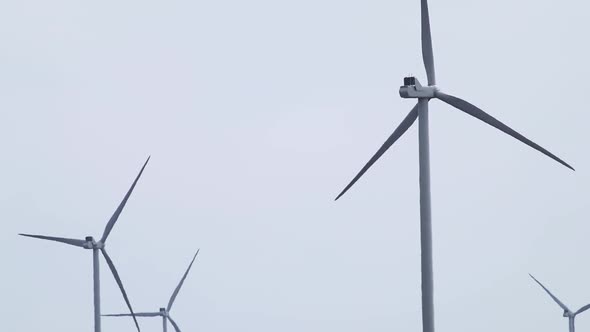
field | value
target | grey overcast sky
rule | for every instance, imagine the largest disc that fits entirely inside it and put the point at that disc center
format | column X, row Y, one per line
column 256, row 114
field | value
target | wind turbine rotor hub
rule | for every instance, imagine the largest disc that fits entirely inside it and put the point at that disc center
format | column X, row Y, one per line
column 412, row 89
column 92, row 244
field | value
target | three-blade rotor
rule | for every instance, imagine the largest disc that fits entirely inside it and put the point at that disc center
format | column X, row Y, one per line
column 90, row 244
column 166, row 312
column 427, row 93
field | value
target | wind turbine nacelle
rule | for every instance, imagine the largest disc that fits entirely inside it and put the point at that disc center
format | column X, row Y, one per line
column 413, row 89
column 89, row 243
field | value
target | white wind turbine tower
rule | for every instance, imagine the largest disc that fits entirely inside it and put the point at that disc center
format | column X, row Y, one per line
column 571, row 315
column 412, row 89
column 91, row 244
column 164, row 312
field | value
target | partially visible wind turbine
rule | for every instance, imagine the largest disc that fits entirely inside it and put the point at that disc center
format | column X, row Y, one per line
column 414, row 90
column 566, row 311
column 164, row 312
column 90, row 243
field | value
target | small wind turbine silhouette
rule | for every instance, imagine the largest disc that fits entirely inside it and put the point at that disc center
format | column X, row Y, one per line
column 414, row 90
column 164, row 312
column 566, row 311
column 90, row 243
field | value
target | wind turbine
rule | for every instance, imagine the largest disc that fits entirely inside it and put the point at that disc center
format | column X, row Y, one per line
column 412, row 89
column 566, row 311
column 96, row 246
column 164, row 312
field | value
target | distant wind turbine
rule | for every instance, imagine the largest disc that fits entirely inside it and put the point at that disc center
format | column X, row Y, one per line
column 164, row 312
column 566, row 311
column 414, row 90
column 90, row 243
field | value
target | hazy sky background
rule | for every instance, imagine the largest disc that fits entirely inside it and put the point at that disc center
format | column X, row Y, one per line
column 256, row 114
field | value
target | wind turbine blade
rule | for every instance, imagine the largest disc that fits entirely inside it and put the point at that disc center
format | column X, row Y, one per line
column 552, row 296
column 173, row 297
column 72, row 242
column 176, row 328
column 115, row 216
column 427, row 53
column 120, row 284
column 582, row 309
column 483, row 116
column 397, row 133
column 137, row 314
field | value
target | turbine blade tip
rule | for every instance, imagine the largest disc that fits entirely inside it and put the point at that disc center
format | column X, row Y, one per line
column 26, row 235
column 566, row 165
